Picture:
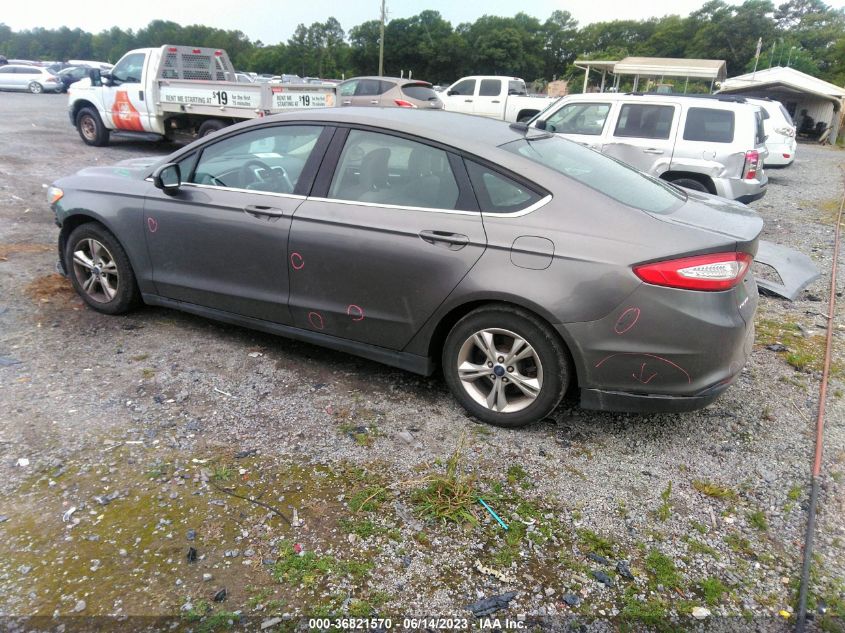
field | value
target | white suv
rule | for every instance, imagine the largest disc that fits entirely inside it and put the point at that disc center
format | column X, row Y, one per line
column 780, row 132
column 711, row 144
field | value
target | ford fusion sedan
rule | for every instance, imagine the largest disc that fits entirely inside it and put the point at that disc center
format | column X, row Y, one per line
column 522, row 265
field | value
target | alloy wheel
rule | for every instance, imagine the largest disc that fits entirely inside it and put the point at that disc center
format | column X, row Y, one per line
column 500, row 370
column 95, row 270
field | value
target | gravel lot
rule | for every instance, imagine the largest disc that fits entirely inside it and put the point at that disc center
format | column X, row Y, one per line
column 149, row 424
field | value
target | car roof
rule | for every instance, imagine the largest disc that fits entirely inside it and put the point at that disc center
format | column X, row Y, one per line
column 396, row 79
column 701, row 101
column 478, row 134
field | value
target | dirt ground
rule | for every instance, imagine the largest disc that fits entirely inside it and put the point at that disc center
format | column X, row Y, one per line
column 152, row 461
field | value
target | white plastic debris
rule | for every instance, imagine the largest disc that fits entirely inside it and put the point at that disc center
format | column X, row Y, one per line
column 22, row 462
column 700, row 613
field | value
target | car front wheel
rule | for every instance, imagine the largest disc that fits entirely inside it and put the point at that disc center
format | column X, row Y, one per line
column 99, row 270
column 506, row 366
column 91, row 128
column 35, row 87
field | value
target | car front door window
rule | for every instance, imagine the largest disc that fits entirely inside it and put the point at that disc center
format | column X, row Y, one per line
column 268, row 159
column 128, row 69
column 579, row 118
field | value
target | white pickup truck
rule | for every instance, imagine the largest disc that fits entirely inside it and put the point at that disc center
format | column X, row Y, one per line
column 173, row 91
column 492, row 96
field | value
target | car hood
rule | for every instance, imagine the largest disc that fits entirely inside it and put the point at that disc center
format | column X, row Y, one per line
column 129, row 168
column 716, row 215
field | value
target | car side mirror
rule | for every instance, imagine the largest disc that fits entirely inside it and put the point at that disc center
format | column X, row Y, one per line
column 540, row 125
column 168, row 178
column 95, row 76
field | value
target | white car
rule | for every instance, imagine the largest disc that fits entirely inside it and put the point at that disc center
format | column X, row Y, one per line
column 780, row 132
column 36, row 79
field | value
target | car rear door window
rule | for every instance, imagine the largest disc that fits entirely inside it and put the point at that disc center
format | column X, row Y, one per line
column 709, row 124
column 372, row 87
column 498, row 193
column 465, row 87
column 490, row 88
column 267, row 159
column 383, row 169
column 579, row 118
column 644, row 121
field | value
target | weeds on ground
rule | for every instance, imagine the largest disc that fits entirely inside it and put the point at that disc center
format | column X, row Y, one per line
column 714, row 490
column 449, row 497
column 712, row 589
column 665, row 509
column 662, row 569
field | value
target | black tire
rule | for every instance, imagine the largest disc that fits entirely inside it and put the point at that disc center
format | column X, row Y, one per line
column 126, row 296
column 691, row 183
column 554, row 361
column 35, row 88
column 210, row 127
column 90, row 127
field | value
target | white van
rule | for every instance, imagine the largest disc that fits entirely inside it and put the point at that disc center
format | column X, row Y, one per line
column 780, row 132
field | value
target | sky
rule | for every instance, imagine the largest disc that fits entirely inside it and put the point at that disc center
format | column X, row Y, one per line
column 273, row 21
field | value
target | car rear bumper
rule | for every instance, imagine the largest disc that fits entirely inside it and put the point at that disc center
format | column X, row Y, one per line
column 664, row 349
column 744, row 190
column 781, row 154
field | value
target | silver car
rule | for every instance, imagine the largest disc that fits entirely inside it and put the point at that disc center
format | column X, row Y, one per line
column 36, row 79
column 388, row 91
column 711, row 144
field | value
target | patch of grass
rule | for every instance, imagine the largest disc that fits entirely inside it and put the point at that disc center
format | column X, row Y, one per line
column 148, row 373
column 369, row 499
column 698, row 527
column 517, row 475
column 805, row 353
column 837, row 476
column 222, row 473
column 159, row 470
column 652, row 614
column 592, row 542
column 739, row 544
column 794, row 493
column 217, row 621
column 662, row 569
column 714, row 490
column 758, row 520
column 697, row 547
column 363, row 528
column 450, row 497
column 139, row 357
column 665, row 509
column 308, row 568
column 258, row 598
column 197, row 611
column 712, row 589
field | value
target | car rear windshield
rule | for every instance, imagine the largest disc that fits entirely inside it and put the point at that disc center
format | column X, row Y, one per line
column 421, row 92
column 606, row 175
column 709, row 124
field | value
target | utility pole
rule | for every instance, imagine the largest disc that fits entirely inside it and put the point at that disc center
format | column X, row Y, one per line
column 381, row 39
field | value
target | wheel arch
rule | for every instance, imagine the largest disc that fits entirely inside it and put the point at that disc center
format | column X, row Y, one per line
column 77, row 219
column 84, row 103
column 440, row 330
column 705, row 180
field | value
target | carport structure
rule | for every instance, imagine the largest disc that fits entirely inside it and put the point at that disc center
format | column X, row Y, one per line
column 798, row 92
column 712, row 70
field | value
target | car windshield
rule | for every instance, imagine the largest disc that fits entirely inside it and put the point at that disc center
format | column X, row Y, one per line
column 606, row 175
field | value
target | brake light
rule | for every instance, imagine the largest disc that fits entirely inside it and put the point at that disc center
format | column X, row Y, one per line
column 787, row 155
column 404, row 104
column 172, row 49
column 218, row 53
column 196, row 51
column 752, row 164
column 717, row 271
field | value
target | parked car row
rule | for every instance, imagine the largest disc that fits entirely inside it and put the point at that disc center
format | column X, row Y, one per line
column 35, row 79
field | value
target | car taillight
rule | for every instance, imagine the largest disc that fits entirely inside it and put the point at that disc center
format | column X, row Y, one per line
column 718, row 271
column 404, row 104
column 752, row 163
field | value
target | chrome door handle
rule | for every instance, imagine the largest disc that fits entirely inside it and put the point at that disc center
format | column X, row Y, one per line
column 259, row 211
column 495, row 101
column 467, row 100
column 652, row 150
column 454, row 241
column 348, row 102
column 374, row 101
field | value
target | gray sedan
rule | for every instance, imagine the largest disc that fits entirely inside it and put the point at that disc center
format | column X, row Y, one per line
column 523, row 265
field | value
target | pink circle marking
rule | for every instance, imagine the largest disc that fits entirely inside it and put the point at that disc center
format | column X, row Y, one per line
column 316, row 320
column 152, row 223
column 356, row 312
column 297, row 261
column 627, row 320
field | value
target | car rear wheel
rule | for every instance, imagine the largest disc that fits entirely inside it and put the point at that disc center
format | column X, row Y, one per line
column 691, row 183
column 99, row 270
column 506, row 366
column 91, row 128
column 35, row 87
